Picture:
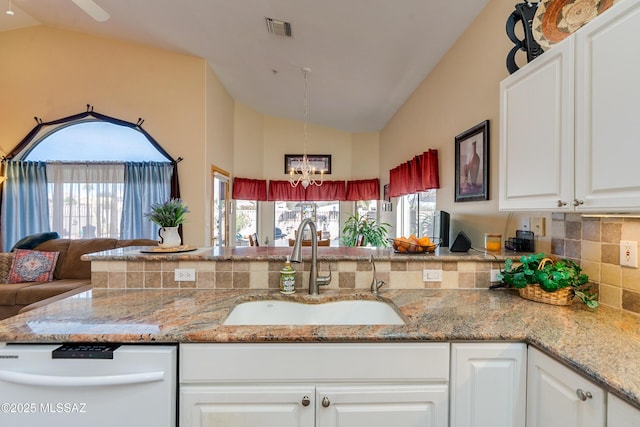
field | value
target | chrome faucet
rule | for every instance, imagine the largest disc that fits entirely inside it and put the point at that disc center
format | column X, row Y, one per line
column 375, row 283
column 315, row 280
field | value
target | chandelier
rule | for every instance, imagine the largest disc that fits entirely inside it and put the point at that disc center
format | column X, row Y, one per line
column 307, row 172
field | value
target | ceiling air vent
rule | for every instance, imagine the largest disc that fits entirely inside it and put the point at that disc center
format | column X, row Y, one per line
column 279, row 28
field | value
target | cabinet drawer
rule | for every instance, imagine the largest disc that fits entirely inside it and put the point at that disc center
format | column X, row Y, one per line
column 323, row 362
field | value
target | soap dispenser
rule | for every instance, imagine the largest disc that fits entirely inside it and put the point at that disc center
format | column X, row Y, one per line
column 287, row 278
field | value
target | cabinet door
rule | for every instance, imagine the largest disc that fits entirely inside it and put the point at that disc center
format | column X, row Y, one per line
column 382, row 406
column 621, row 414
column 241, row 406
column 607, row 97
column 488, row 384
column 537, row 133
column 554, row 396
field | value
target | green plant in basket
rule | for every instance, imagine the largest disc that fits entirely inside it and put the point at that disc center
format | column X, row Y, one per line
column 537, row 269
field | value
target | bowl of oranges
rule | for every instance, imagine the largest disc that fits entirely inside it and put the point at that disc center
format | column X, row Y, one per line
column 413, row 245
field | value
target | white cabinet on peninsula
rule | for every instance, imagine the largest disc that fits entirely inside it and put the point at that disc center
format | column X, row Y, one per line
column 488, row 384
column 568, row 137
column 559, row 397
column 620, row 413
column 309, row 385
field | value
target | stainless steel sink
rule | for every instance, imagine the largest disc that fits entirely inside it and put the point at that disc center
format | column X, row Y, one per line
column 351, row 312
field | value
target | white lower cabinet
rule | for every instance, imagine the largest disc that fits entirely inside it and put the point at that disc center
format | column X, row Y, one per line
column 488, row 384
column 620, row 413
column 266, row 406
column 559, row 397
column 382, row 406
column 323, row 406
column 307, row 385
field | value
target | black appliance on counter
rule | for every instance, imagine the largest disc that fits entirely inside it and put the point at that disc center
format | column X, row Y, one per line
column 523, row 242
column 441, row 226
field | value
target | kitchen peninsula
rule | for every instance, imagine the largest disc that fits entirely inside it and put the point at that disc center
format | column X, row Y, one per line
column 601, row 344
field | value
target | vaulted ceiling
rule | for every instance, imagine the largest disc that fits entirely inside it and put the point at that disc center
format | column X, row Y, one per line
column 366, row 56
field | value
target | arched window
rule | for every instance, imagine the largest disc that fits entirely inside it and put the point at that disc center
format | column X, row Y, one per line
column 92, row 141
column 85, row 176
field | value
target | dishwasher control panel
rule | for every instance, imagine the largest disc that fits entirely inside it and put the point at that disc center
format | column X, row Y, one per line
column 84, row 351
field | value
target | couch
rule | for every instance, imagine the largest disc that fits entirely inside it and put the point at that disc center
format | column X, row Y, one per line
column 71, row 274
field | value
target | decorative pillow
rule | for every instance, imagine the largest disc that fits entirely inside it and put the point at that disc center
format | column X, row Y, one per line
column 32, row 266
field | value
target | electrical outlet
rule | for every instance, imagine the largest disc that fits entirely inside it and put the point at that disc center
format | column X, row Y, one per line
column 525, row 223
column 432, row 275
column 629, row 253
column 184, row 275
column 538, row 226
column 494, row 275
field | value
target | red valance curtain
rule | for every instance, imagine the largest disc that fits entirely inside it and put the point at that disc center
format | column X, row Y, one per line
column 364, row 189
column 249, row 189
column 282, row 190
column 329, row 190
column 418, row 174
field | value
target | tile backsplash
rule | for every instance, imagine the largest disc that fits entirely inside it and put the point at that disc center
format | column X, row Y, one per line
column 266, row 274
column 595, row 243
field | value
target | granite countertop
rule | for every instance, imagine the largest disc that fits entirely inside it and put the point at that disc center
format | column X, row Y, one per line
column 279, row 253
column 602, row 344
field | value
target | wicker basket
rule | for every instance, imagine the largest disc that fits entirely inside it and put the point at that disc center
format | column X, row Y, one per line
column 535, row 293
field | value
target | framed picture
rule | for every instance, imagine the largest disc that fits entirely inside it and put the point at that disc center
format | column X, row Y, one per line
column 472, row 164
column 321, row 162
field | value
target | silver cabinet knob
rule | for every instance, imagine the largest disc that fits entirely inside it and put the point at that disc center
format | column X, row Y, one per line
column 306, row 401
column 583, row 395
column 577, row 202
column 326, row 402
column 561, row 203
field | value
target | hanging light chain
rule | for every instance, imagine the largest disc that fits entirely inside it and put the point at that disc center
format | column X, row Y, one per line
column 306, row 177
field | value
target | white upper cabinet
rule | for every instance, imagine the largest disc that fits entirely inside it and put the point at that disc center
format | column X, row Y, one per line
column 608, row 110
column 568, row 137
column 536, row 132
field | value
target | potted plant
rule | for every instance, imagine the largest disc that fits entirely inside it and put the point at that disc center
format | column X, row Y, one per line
column 168, row 215
column 542, row 279
column 369, row 230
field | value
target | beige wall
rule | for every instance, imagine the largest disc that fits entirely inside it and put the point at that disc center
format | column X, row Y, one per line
column 261, row 141
column 219, row 151
column 459, row 93
column 52, row 73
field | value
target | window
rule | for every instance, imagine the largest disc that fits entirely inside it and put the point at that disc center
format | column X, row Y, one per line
column 326, row 215
column 246, row 220
column 102, row 175
column 415, row 214
column 93, row 141
column 367, row 208
column 85, row 201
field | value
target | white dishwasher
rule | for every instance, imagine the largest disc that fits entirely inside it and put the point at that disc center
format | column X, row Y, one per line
column 87, row 385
